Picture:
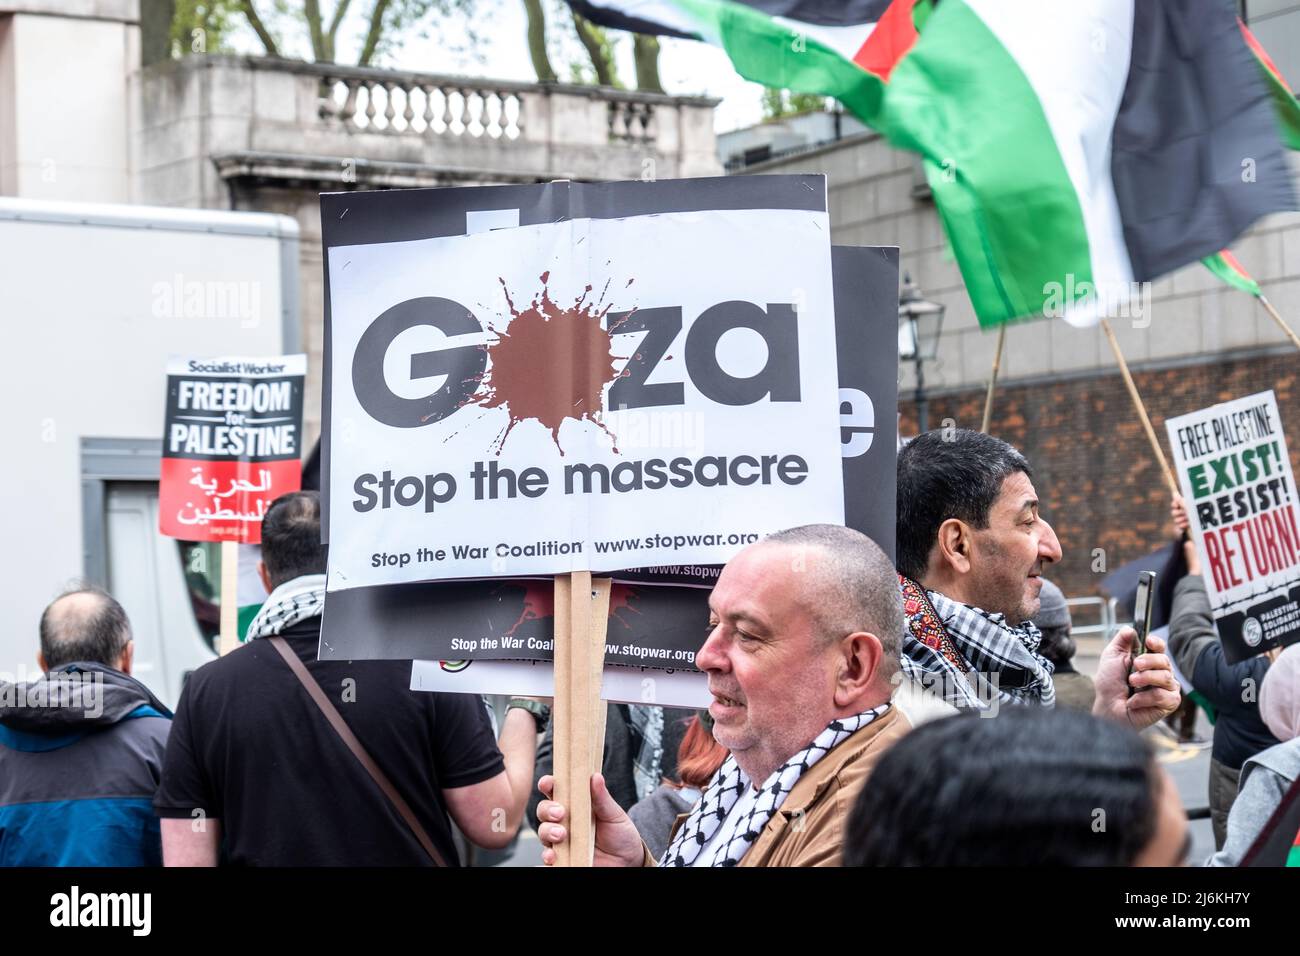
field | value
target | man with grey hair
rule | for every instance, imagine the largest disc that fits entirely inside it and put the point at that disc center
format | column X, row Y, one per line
column 801, row 657
column 81, row 748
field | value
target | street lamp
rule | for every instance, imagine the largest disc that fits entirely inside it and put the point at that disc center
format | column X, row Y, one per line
column 919, row 324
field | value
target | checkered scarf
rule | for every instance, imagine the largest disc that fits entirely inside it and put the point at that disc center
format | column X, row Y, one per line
column 291, row 602
column 739, row 831
column 953, row 648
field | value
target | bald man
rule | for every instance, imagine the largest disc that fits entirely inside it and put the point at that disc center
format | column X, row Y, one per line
column 81, row 748
column 801, row 657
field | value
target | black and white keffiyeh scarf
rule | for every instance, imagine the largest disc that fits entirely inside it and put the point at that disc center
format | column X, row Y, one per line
column 291, row 602
column 740, row 830
column 971, row 657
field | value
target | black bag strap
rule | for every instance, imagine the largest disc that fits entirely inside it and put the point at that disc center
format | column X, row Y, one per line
column 353, row 744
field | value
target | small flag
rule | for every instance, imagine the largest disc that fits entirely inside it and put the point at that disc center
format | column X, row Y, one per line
column 1287, row 111
column 1225, row 265
column 1284, row 99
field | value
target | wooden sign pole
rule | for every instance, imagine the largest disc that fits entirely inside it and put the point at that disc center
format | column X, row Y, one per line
column 581, row 620
column 993, row 379
column 1290, row 333
column 1168, row 473
column 229, row 639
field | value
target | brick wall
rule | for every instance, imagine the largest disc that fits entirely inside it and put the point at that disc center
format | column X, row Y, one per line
column 1093, row 467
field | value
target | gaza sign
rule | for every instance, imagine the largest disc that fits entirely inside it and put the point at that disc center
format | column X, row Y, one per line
column 589, row 394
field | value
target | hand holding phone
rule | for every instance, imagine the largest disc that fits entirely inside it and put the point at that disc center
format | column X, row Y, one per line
column 1142, row 605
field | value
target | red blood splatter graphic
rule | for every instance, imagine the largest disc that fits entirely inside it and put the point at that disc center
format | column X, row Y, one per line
column 550, row 364
column 539, row 603
column 621, row 597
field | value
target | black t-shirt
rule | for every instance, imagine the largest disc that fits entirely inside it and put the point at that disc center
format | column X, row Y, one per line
column 248, row 747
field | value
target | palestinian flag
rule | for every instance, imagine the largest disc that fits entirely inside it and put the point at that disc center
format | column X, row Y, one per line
column 1072, row 149
column 1287, row 111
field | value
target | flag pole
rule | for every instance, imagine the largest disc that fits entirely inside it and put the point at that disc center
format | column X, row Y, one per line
column 993, row 379
column 1141, row 409
column 1268, row 307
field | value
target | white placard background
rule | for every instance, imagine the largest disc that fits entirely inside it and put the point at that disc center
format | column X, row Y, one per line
column 684, row 688
column 690, row 260
column 1252, row 590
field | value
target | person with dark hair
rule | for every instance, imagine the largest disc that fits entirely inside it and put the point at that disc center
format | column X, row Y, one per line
column 972, row 547
column 1073, row 690
column 801, row 658
column 81, row 749
column 258, row 773
column 1027, row 788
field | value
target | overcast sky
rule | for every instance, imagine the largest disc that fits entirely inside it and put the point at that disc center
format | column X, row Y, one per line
column 501, row 52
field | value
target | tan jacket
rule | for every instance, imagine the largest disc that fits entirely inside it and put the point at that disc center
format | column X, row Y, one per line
column 808, row 830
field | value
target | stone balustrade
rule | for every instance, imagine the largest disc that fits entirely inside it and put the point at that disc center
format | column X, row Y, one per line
column 426, row 104
column 238, row 119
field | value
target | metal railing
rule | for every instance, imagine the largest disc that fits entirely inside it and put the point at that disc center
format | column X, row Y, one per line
column 1103, row 609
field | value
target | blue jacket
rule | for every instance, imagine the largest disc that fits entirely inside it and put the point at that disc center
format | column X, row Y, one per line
column 81, row 754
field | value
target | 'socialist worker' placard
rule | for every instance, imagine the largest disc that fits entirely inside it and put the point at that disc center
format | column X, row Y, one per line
column 547, row 346
column 231, row 444
column 1241, row 498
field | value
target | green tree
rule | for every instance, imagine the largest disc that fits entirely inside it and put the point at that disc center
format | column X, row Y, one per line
column 386, row 23
column 598, row 61
column 537, row 41
column 206, row 25
column 645, row 49
column 202, row 26
column 600, row 50
column 778, row 103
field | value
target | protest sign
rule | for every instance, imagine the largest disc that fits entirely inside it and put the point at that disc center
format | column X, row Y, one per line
column 512, row 393
column 232, row 436
column 1239, row 488
column 580, row 604
column 659, row 627
column 231, row 444
column 650, row 624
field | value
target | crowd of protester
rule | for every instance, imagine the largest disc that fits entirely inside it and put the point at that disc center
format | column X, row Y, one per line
column 918, row 712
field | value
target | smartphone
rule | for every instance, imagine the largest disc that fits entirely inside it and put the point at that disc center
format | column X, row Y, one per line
column 1146, row 593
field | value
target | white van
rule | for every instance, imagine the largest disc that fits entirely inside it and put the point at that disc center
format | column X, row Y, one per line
column 93, row 299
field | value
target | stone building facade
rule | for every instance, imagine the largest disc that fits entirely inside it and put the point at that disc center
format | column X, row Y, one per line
column 87, row 115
